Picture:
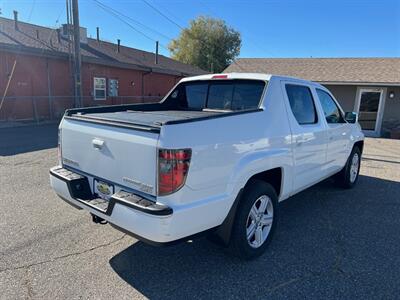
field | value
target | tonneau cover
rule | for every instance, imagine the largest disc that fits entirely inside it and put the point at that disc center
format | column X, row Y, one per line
column 149, row 118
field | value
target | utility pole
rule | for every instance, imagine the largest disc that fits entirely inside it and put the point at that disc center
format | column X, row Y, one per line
column 77, row 55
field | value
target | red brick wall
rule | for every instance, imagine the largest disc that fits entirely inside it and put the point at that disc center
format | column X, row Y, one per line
column 28, row 93
column 156, row 84
column 130, row 83
column 125, row 78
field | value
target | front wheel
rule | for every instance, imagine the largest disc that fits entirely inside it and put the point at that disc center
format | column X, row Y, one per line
column 348, row 177
column 255, row 220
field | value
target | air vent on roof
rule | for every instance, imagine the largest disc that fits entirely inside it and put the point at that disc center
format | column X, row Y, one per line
column 58, row 35
column 83, row 34
column 15, row 19
column 68, row 29
column 156, row 56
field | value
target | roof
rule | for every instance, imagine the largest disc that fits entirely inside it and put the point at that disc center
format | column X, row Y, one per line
column 25, row 40
column 325, row 70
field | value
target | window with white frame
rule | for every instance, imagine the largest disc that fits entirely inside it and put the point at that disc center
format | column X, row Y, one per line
column 99, row 84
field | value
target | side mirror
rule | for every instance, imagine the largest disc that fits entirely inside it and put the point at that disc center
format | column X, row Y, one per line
column 351, row 117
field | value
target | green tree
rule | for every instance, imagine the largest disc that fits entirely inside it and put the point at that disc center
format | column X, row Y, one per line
column 208, row 43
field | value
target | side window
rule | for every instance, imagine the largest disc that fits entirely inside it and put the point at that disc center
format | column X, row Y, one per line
column 302, row 104
column 331, row 110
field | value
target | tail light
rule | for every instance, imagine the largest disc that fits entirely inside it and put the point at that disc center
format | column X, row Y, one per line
column 173, row 166
column 59, row 156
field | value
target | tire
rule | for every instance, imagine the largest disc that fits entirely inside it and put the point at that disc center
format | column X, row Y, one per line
column 348, row 176
column 249, row 216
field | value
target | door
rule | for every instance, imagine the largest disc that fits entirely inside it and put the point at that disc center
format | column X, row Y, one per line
column 309, row 137
column 369, row 105
column 338, row 131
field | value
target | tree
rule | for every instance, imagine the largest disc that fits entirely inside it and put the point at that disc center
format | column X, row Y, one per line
column 208, row 43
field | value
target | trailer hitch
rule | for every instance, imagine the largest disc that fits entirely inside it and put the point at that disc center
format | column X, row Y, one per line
column 98, row 220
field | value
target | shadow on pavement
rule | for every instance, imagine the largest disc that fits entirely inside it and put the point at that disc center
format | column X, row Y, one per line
column 329, row 243
column 24, row 139
column 382, row 160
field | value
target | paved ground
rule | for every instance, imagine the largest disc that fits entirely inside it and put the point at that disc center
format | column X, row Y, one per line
column 330, row 243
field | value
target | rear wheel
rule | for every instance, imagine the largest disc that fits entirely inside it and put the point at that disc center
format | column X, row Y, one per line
column 348, row 177
column 255, row 220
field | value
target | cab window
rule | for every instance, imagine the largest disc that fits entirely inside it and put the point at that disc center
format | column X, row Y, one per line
column 331, row 110
column 302, row 104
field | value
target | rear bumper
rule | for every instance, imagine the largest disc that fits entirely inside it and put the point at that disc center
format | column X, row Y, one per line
column 79, row 189
column 141, row 217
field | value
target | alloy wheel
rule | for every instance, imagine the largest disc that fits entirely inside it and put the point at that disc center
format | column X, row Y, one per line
column 259, row 221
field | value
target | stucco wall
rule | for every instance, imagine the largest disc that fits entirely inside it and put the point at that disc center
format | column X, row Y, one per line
column 391, row 113
column 346, row 95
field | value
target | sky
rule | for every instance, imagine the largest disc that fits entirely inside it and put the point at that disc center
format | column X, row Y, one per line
column 269, row 28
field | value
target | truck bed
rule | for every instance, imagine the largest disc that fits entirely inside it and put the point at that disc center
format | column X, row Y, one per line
column 148, row 117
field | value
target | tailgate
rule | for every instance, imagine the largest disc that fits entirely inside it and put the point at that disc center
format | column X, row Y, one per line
column 123, row 156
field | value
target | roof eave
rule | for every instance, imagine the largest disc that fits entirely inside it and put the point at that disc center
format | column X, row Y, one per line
column 121, row 65
column 366, row 83
column 20, row 49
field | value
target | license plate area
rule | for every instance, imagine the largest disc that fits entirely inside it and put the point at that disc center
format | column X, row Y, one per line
column 102, row 189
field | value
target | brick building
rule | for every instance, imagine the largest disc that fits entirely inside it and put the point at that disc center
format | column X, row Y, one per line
column 42, row 84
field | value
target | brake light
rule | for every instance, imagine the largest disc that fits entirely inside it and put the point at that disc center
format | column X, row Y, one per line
column 59, row 155
column 173, row 166
column 219, row 77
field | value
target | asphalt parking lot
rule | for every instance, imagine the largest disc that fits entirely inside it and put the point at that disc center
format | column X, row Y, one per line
column 330, row 243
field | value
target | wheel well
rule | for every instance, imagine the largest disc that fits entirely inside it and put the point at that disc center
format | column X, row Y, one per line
column 360, row 145
column 273, row 177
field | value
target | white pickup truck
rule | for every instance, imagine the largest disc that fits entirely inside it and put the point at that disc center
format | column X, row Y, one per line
column 216, row 155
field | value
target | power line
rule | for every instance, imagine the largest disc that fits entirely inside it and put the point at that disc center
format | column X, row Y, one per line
column 182, row 28
column 32, row 8
column 116, row 14
column 162, row 14
column 133, row 20
column 168, row 12
column 56, row 24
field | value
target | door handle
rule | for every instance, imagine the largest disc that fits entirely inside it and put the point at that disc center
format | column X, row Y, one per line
column 97, row 143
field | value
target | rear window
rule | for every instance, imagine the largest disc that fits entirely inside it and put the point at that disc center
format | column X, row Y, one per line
column 196, row 95
column 221, row 95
